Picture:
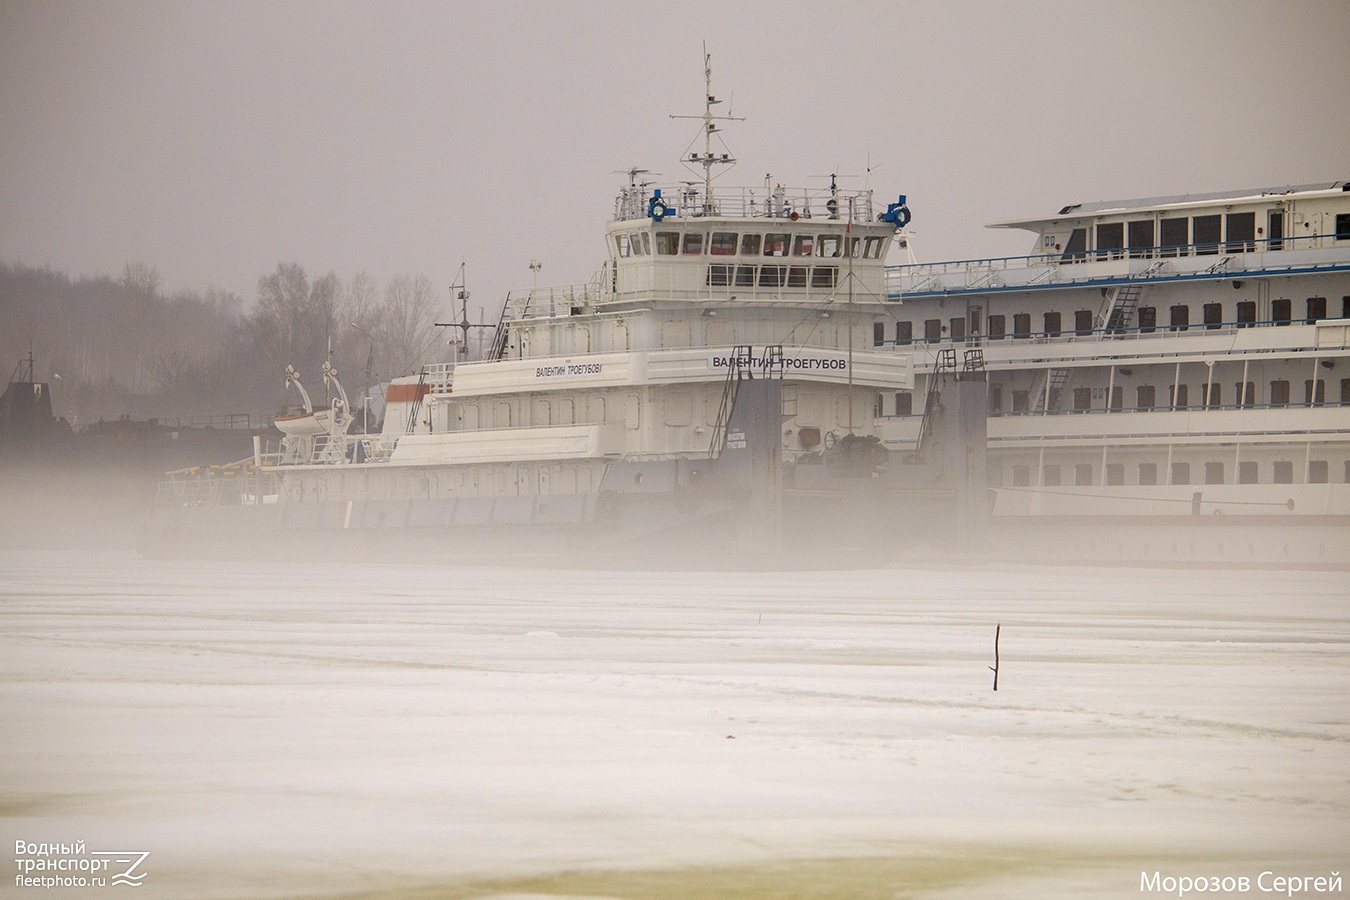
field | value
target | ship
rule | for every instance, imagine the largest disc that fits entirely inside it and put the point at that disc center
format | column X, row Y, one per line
column 709, row 395
column 1169, row 378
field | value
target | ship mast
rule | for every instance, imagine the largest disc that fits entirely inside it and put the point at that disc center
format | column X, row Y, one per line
column 708, row 159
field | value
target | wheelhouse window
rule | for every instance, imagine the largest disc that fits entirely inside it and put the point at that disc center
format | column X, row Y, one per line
column 1142, row 238
column 804, row 245
column 1175, row 236
column 1110, row 240
column 693, row 243
column 667, row 243
column 775, row 244
column 1076, row 249
column 1205, row 233
column 1241, row 232
column 830, row 245
column 723, row 243
column 624, row 247
column 873, row 247
column 750, row 244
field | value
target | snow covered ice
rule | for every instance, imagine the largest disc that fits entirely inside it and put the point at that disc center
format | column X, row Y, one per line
column 326, row 730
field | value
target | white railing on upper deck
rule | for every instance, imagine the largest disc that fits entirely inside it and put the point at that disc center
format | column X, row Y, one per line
column 1216, row 260
column 686, row 201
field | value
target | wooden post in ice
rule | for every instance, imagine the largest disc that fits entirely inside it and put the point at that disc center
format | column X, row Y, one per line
column 994, row 667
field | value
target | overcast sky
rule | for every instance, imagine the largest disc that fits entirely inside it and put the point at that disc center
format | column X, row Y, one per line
column 215, row 140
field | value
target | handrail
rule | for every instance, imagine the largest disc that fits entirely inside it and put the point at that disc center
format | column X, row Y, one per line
column 1067, row 335
column 685, row 201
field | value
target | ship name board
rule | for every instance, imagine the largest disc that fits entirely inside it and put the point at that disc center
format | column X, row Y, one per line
column 790, row 363
column 567, row 370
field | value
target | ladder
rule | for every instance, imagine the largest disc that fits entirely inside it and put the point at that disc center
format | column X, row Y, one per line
column 504, row 325
column 416, row 409
column 1051, row 389
column 1118, row 308
column 946, row 362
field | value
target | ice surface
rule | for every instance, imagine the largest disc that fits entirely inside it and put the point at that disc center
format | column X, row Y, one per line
column 322, row 729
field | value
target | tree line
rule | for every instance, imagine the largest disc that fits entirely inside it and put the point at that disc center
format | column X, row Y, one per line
column 113, row 346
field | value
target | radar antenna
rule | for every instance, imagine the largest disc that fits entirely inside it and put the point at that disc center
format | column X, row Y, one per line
column 708, row 159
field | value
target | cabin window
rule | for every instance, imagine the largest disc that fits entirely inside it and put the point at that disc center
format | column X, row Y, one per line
column 830, row 245
column 1082, row 474
column 667, row 243
column 1212, row 396
column 995, row 399
column 1284, row 471
column 719, row 276
column 772, row 276
column 1213, row 473
column 1343, row 226
column 1050, row 476
column 621, row 240
column 1175, row 236
column 643, row 248
column 998, row 327
column 1247, row 471
column 1345, row 307
column 1082, row 321
column 1148, row 319
column 1076, row 249
column 1279, row 393
column 1180, row 396
column 957, row 328
column 1181, row 473
column 1021, row 476
column 1110, row 240
column 1179, row 317
column 1213, row 313
column 1117, row 397
column 873, row 247
column 775, row 244
column 823, row 276
column 1345, row 392
column 1052, row 324
column 1317, row 471
column 1314, row 393
column 904, row 332
column 1020, row 401
column 804, row 245
column 1148, row 473
column 1241, row 232
column 1246, row 393
column 693, row 243
column 1145, row 397
column 1317, row 309
column 1141, row 238
column 745, row 276
column 750, row 244
column 1082, row 399
column 1246, row 313
column 904, row 403
column 878, row 333
column 1022, row 325
column 797, row 276
column 1205, row 233
column 1282, row 311
column 723, row 243
column 1115, row 473
column 853, row 247
column 932, row 330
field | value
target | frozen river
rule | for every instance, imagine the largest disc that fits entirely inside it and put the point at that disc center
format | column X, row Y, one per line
column 439, row 731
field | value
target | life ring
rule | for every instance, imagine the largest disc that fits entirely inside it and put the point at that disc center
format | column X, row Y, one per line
column 657, row 209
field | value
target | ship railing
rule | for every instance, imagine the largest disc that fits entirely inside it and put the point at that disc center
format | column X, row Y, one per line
column 332, row 450
column 1133, row 332
column 763, row 202
column 1069, row 267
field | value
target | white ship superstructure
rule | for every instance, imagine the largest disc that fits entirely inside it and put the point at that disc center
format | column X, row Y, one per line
column 1162, row 360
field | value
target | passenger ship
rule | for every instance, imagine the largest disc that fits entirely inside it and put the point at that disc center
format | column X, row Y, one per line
column 713, row 385
column 1154, row 365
